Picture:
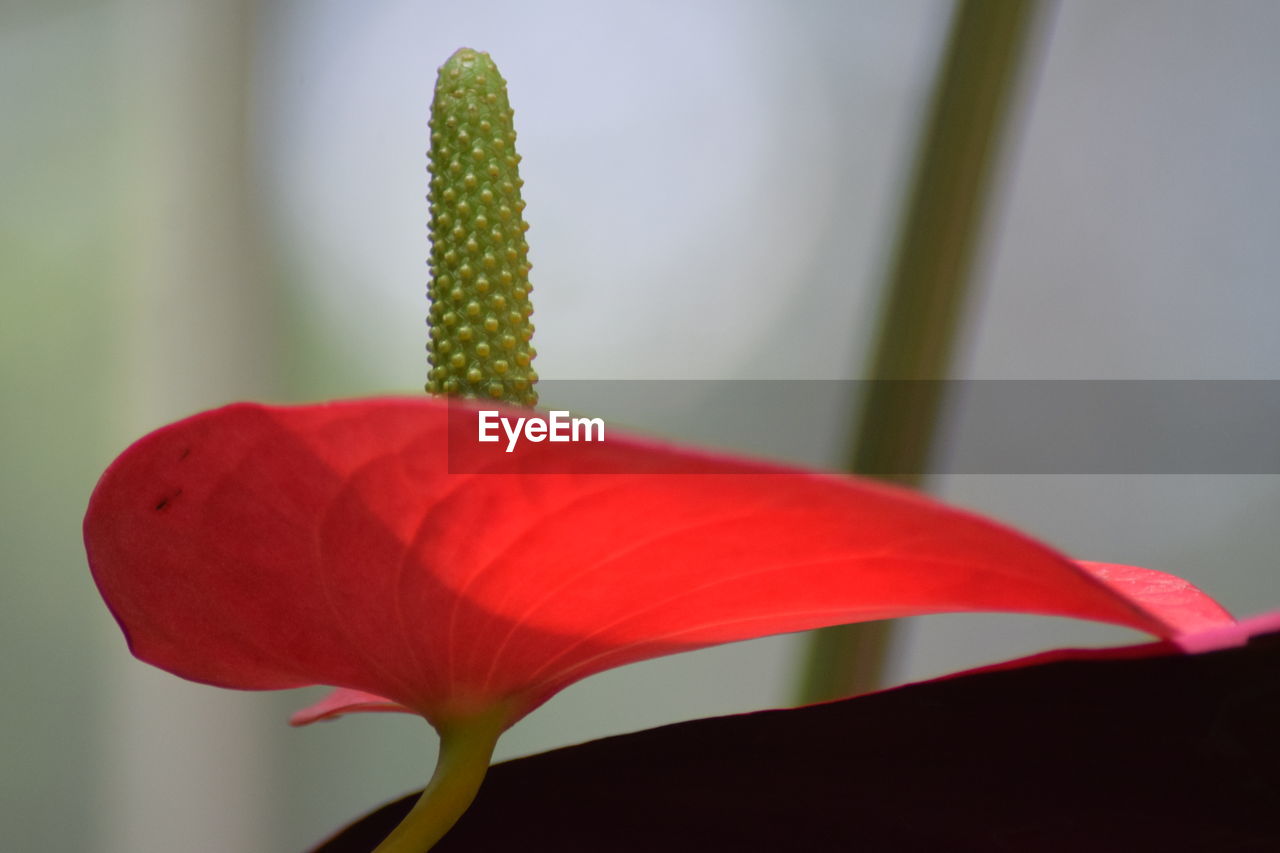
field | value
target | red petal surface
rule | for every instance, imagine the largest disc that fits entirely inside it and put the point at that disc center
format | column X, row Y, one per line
column 1202, row 623
column 258, row 547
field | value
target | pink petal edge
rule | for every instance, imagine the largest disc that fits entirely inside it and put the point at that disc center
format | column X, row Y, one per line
column 343, row 701
column 1178, row 603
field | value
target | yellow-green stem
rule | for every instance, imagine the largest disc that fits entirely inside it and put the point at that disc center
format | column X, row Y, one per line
column 925, row 291
column 466, row 746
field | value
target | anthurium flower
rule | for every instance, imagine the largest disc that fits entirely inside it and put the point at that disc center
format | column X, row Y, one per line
column 362, row 545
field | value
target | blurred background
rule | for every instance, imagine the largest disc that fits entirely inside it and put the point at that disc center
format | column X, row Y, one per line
column 210, row 201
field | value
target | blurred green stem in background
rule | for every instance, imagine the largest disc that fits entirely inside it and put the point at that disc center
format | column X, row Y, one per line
column 926, row 288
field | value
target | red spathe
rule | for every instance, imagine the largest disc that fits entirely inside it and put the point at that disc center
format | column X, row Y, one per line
column 267, row 547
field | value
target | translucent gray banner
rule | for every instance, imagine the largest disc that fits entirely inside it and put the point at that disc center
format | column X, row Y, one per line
column 987, row 426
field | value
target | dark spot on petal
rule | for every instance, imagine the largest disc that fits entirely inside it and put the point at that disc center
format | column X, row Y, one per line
column 185, row 453
column 164, row 502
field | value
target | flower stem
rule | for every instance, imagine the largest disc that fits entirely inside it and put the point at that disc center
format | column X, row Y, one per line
column 466, row 746
column 926, row 290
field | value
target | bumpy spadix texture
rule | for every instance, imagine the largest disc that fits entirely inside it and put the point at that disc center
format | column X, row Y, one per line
column 480, row 329
column 259, row 547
